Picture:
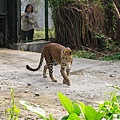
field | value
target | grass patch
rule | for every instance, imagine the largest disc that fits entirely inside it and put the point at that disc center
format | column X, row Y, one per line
column 84, row 54
column 96, row 56
column 40, row 34
column 115, row 56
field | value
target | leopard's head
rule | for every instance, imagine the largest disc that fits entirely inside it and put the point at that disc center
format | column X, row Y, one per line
column 66, row 55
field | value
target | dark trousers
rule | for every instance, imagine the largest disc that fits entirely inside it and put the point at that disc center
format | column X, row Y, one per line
column 27, row 35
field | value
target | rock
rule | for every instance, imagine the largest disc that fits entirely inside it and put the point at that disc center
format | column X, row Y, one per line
column 112, row 75
column 26, row 91
column 28, row 84
column 37, row 94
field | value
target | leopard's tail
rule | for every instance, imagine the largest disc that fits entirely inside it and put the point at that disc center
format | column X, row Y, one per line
column 39, row 66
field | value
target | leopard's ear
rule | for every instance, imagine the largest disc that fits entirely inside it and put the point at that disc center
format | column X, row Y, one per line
column 68, row 49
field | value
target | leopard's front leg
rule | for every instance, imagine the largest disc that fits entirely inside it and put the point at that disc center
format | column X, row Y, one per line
column 68, row 71
column 66, row 80
column 68, row 67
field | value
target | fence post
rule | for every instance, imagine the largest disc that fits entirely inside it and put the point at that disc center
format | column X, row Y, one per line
column 46, row 20
column 19, row 20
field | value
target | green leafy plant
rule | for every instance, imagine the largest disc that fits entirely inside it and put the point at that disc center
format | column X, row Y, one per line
column 106, row 43
column 108, row 110
column 75, row 109
column 84, row 54
column 94, row 56
column 13, row 112
column 115, row 56
column 111, row 108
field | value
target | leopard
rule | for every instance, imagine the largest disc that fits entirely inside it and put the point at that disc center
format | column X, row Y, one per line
column 55, row 54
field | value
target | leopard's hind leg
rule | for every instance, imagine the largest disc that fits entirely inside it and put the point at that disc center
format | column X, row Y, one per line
column 50, row 68
column 44, row 71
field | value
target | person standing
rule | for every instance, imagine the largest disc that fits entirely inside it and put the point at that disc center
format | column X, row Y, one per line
column 28, row 19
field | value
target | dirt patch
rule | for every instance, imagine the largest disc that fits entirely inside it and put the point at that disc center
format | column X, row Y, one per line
column 88, row 78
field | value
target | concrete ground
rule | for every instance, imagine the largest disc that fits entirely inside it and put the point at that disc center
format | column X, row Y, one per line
column 89, row 80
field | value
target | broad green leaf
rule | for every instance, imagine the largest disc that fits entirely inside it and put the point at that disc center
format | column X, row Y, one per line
column 99, row 116
column 82, row 108
column 89, row 113
column 65, row 117
column 66, row 102
column 35, row 110
column 73, row 116
column 92, row 114
column 76, row 108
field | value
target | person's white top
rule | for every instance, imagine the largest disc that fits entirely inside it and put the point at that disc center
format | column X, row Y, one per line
column 27, row 24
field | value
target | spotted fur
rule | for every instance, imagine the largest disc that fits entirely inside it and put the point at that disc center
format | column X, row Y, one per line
column 55, row 54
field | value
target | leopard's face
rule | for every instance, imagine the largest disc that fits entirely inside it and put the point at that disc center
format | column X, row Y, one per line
column 66, row 56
